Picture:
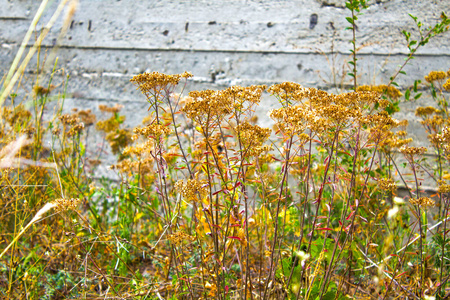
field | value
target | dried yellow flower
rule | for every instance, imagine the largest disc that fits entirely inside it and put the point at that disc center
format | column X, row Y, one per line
column 113, row 109
column 207, row 105
column 422, row 201
column 425, row 111
column 446, row 85
column 252, row 138
column 155, row 82
column 87, row 117
column 65, row 204
column 387, row 184
column 178, row 237
column 191, row 189
column 436, row 75
column 443, row 187
column 391, row 91
column 153, row 130
column 69, row 119
column 411, row 151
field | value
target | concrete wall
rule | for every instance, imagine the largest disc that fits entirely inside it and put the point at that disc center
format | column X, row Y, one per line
column 224, row 43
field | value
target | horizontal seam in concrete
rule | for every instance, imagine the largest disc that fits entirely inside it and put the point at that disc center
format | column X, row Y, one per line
column 237, row 51
column 14, row 18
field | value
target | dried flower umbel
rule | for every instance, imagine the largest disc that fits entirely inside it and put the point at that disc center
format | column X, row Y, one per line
column 191, row 189
column 252, row 138
column 443, row 187
column 422, row 202
column 155, row 81
column 179, row 236
column 391, row 91
column 65, row 204
column 158, row 87
column 153, row 130
column 387, row 184
column 436, row 75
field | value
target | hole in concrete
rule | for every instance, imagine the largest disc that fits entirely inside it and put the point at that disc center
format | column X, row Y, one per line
column 313, row 21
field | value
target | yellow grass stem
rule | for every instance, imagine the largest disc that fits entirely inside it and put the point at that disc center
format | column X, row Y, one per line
column 31, row 52
column 36, row 218
column 25, row 41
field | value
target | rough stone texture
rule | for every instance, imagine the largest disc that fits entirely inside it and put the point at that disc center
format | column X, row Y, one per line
column 224, row 43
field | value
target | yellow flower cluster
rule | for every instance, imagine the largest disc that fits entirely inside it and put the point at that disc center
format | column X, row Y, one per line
column 72, row 123
column 130, row 167
column 118, row 139
column 290, row 120
column 338, row 113
column 240, row 94
column 396, row 142
column 86, row 116
column 76, row 129
column 252, row 135
column 288, row 91
column 380, row 128
column 442, row 139
column 443, row 187
column 391, row 91
column 422, row 201
column 113, row 109
column 191, row 189
column 380, row 120
column 138, row 150
column 178, row 237
column 65, row 204
column 155, row 82
column 433, row 123
column 153, row 130
column 207, row 105
column 425, row 111
column 387, row 184
column 436, row 75
column 110, row 124
column 446, row 85
column 360, row 99
column 17, row 115
column 69, row 119
column 412, row 151
column 43, row 91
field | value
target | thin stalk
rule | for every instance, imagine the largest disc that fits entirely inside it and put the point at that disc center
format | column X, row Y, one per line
column 286, row 168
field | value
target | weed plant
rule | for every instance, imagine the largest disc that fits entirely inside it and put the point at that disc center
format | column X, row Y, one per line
column 210, row 205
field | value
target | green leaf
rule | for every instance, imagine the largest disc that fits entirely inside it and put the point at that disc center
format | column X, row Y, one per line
column 350, row 20
column 433, row 92
column 402, row 72
column 413, row 17
column 417, row 96
column 407, row 94
column 394, row 83
column 329, row 295
column 82, row 149
column 416, row 83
